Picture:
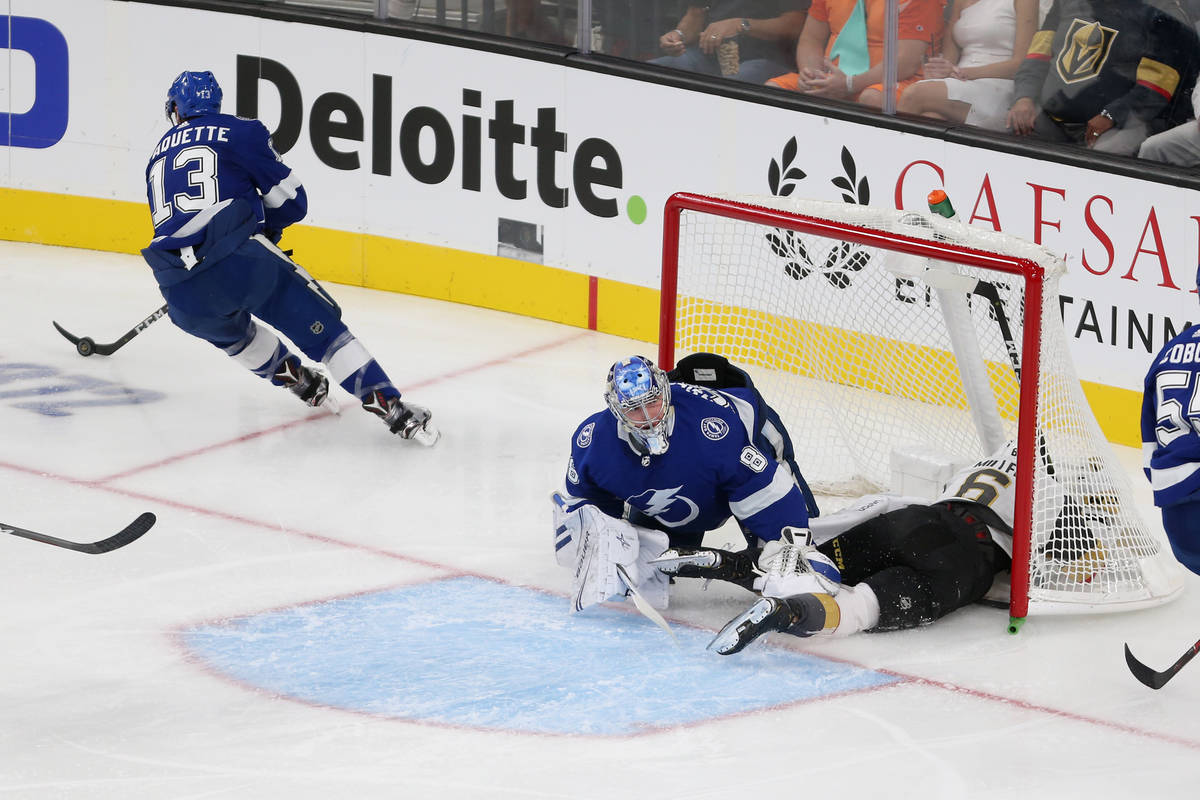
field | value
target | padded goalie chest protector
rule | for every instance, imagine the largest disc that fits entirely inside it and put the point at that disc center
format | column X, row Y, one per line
column 714, row 371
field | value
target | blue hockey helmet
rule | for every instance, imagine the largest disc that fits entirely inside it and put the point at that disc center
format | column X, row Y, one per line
column 639, row 396
column 192, row 94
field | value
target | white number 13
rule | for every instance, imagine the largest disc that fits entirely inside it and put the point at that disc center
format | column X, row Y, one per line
column 202, row 177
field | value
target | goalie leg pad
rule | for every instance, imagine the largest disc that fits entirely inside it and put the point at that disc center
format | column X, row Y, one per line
column 653, row 583
column 601, row 543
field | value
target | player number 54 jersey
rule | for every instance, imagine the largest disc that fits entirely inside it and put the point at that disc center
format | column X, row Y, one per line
column 1171, row 420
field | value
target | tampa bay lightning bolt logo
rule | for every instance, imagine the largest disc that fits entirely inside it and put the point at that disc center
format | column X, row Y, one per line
column 665, row 506
column 714, row 428
column 585, row 436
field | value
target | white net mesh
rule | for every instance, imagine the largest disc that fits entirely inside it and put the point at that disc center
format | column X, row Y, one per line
column 865, row 352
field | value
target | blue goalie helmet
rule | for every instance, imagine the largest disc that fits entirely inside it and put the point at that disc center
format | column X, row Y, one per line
column 639, row 396
column 193, row 94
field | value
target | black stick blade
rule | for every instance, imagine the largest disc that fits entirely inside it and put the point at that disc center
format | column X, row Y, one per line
column 1153, row 679
column 129, row 533
column 83, row 344
column 66, row 334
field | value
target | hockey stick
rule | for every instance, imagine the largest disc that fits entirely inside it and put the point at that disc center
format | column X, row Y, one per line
column 129, row 533
column 643, row 605
column 86, row 346
column 1157, row 680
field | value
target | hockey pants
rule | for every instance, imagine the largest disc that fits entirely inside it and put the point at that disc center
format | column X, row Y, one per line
column 922, row 562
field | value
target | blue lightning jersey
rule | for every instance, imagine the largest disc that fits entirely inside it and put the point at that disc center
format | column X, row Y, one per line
column 202, row 164
column 712, row 470
column 1171, row 420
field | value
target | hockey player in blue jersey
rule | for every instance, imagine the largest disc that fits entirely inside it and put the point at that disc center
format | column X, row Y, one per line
column 220, row 198
column 1171, row 441
column 666, row 463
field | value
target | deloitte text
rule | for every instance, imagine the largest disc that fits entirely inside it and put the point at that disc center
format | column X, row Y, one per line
column 595, row 163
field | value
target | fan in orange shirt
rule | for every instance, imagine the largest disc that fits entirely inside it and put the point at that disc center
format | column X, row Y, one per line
column 840, row 52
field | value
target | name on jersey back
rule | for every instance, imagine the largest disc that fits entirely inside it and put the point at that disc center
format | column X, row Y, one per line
column 1181, row 354
column 193, row 135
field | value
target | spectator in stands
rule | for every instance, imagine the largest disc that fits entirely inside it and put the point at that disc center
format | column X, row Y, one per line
column 972, row 80
column 1097, row 73
column 1179, row 144
column 525, row 20
column 840, row 52
column 749, row 40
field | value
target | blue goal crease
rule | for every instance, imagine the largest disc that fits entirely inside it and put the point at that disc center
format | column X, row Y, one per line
column 470, row 652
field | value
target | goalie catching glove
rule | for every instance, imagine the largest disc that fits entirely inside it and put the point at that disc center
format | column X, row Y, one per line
column 592, row 544
column 791, row 565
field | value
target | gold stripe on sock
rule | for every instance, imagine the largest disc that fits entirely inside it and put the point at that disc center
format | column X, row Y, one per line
column 833, row 613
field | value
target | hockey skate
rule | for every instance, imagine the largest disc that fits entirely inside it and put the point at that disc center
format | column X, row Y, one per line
column 708, row 563
column 406, row 420
column 803, row 615
column 308, row 384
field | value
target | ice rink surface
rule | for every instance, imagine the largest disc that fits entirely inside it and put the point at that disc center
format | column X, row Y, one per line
column 324, row 611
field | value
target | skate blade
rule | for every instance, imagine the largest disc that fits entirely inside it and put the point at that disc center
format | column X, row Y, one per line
column 332, row 405
column 672, row 563
column 428, row 435
column 729, row 639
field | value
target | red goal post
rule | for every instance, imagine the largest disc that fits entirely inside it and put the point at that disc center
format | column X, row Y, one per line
column 907, row 334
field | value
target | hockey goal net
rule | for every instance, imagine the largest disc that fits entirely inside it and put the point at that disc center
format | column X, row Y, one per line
column 885, row 338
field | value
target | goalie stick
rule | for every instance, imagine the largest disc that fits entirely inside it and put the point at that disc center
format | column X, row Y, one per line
column 129, row 533
column 86, row 346
column 643, row 605
column 1157, row 680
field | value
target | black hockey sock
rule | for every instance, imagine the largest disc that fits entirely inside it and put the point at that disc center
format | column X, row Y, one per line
column 812, row 613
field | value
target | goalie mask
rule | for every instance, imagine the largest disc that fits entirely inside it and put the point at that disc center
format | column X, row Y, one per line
column 192, row 94
column 639, row 396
